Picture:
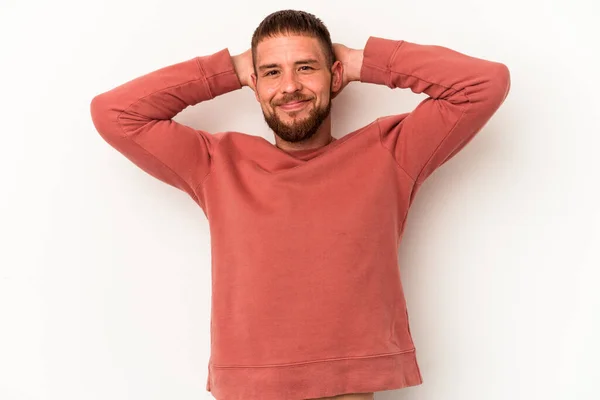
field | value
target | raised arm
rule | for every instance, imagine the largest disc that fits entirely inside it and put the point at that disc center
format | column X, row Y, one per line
column 136, row 118
column 464, row 92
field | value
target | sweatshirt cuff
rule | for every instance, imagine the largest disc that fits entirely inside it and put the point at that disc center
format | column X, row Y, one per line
column 377, row 58
column 219, row 72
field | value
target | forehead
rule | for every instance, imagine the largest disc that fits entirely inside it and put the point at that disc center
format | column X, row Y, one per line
column 287, row 49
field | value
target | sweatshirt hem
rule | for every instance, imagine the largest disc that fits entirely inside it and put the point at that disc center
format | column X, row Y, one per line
column 315, row 379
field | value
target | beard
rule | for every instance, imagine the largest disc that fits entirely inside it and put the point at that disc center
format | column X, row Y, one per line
column 300, row 130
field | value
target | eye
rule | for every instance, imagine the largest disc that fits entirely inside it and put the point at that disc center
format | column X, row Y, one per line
column 271, row 73
column 307, row 67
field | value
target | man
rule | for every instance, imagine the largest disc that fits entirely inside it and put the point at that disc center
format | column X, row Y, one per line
column 306, row 294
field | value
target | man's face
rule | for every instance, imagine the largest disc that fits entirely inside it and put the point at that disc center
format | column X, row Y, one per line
column 293, row 85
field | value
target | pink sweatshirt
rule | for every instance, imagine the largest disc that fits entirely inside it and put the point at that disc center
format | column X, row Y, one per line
column 306, row 294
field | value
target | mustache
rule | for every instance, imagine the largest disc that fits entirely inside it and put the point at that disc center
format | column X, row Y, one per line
column 291, row 98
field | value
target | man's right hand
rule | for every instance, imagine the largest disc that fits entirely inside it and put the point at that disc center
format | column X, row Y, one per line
column 244, row 68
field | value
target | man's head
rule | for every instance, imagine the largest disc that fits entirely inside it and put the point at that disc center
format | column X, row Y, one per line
column 294, row 61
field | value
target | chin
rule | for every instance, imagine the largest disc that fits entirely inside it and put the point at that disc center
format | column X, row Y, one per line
column 295, row 118
column 295, row 114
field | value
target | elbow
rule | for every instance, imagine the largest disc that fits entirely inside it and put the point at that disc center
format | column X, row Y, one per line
column 98, row 107
column 95, row 108
column 103, row 117
column 99, row 114
column 497, row 86
column 501, row 81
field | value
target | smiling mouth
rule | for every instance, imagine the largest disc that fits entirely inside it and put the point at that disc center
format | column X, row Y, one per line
column 294, row 105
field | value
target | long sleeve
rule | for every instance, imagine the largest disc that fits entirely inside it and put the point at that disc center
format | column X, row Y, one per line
column 136, row 118
column 464, row 92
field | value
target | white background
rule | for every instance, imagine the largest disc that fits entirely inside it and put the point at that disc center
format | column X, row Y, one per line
column 105, row 271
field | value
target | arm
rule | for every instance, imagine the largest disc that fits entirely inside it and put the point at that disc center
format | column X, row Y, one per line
column 464, row 92
column 136, row 118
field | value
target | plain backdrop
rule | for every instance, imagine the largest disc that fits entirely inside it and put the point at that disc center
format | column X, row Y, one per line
column 105, row 271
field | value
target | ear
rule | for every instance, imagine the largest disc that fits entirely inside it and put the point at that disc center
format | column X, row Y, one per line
column 254, row 81
column 337, row 75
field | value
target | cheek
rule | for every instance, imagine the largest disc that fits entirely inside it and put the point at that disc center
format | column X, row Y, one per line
column 266, row 95
column 265, row 100
column 323, row 98
column 323, row 88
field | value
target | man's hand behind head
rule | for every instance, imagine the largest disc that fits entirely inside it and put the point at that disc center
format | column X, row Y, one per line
column 351, row 60
column 244, row 68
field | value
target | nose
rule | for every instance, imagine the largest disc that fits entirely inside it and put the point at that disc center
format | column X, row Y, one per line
column 290, row 83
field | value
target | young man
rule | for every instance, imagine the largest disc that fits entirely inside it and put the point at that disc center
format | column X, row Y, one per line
column 306, row 294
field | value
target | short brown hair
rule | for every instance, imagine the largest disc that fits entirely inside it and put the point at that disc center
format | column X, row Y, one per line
column 287, row 22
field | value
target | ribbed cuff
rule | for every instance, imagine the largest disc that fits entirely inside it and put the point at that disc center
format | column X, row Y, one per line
column 220, row 72
column 377, row 57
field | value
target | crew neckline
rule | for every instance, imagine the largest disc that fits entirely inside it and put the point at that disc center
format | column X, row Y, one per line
column 308, row 151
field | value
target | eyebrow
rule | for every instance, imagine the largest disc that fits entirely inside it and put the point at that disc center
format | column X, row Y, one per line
column 307, row 61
